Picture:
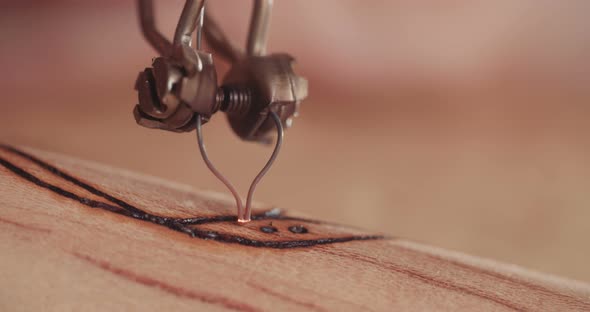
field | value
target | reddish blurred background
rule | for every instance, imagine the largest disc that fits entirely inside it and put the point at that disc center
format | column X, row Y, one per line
column 462, row 124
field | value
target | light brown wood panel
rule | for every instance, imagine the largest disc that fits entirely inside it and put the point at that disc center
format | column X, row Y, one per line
column 81, row 236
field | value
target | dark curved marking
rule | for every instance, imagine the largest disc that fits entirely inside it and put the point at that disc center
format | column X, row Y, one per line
column 71, row 179
column 268, row 229
column 177, row 224
column 278, row 244
column 88, row 202
column 272, row 214
column 136, row 212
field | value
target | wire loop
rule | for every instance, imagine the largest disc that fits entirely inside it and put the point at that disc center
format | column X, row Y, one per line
column 244, row 215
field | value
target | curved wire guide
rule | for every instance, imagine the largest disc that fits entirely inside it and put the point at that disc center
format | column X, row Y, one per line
column 179, row 92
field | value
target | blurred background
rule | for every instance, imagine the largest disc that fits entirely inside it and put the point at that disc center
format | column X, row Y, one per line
column 461, row 124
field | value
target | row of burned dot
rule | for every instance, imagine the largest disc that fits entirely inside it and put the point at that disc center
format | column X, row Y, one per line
column 297, row 229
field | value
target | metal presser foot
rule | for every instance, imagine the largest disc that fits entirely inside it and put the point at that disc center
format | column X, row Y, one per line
column 180, row 92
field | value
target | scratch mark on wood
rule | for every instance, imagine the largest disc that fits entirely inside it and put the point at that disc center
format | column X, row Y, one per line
column 169, row 288
column 25, row 226
column 571, row 301
column 309, row 306
column 421, row 276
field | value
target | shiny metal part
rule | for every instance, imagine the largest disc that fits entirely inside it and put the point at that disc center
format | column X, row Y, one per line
column 214, row 170
column 191, row 17
column 248, row 212
column 180, row 92
column 244, row 215
column 275, row 87
column 273, row 83
column 148, row 26
column 182, row 81
column 259, row 25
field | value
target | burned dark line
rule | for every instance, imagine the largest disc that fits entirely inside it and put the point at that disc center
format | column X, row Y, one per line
column 273, row 214
column 90, row 202
column 203, row 220
column 85, row 201
column 135, row 212
column 176, row 224
column 234, row 239
column 73, row 180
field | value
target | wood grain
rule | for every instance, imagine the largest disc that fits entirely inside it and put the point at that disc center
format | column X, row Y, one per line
column 80, row 236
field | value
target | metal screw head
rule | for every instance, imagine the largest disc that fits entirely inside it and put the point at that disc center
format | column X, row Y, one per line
column 274, row 87
column 172, row 91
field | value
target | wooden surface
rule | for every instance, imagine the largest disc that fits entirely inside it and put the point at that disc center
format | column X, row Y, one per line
column 79, row 236
column 478, row 144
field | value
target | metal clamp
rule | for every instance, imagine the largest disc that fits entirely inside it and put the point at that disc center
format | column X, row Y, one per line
column 179, row 92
